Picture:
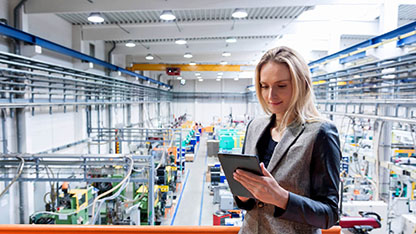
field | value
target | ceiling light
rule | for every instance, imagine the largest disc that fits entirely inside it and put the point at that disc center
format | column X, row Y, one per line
column 187, row 55
column 197, row 74
column 218, row 79
column 231, row 40
column 149, row 57
column 192, row 63
column 179, row 78
column 226, row 54
column 167, row 15
column 180, row 41
column 200, row 79
column 220, row 73
column 95, row 17
column 130, row 44
column 236, row 78
column 223, row 63
column 239, row 13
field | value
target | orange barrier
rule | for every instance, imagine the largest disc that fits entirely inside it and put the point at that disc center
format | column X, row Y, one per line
column 332, row 230
column 79, row 229
column 104, row 229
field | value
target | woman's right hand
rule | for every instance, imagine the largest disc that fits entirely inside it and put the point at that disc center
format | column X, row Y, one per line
column 243, row 199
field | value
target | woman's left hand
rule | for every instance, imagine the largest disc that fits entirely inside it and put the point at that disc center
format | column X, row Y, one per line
column 264, row 188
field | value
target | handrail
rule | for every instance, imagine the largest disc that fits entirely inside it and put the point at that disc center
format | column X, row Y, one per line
column 84, row 229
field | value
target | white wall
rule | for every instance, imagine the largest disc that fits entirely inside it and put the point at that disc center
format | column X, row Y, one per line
column 45, row 131
column 52, row 28
column 207, row 110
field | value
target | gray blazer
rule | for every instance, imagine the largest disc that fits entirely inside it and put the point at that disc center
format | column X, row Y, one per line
column 306, row 163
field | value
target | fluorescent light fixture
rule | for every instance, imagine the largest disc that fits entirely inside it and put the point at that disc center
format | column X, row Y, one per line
column 149, row 57
column 179, row 77
column 231, row 40
column 180, row 41
column 223, row 63
column 239, row 13
column 95, row 17
column 192, row 63
column 236, row 78
column 200, row 79
column 187, row 55
column 130, row 44
column 220, row 73
column 218, row 79
column 167, row 15
column 226, row 54
column 197, row 74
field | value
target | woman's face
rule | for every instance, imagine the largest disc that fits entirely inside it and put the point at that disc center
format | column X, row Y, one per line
column 276, row 87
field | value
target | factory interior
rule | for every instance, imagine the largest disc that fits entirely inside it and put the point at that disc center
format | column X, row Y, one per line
column 113, row 113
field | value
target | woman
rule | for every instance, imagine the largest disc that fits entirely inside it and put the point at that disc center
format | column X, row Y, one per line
column 299, row 153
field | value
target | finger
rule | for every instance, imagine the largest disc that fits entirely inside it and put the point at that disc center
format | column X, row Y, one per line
column 248, row 183
column 265, row 171
column 248, row 175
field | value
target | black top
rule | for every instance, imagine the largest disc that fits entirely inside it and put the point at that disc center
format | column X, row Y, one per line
column 265, row 147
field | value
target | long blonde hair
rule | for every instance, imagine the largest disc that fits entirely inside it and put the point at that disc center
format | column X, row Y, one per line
column 301, row 107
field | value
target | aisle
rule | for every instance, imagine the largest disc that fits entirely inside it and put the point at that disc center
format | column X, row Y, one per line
column 194, row 204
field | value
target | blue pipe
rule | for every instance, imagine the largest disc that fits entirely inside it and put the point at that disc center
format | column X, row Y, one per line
column 29, row 38
column 389, row 35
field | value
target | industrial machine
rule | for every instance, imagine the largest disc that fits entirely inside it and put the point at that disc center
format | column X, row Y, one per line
column 141, row 198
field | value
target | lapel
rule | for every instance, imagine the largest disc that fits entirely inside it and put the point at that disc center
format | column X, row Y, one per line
column 259, row 131
column 291, row 134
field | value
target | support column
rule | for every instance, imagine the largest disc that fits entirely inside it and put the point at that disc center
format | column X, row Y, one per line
column 109, row 126
column 21, row 148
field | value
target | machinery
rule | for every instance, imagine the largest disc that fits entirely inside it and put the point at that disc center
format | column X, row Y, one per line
column 71, row 207
column 141, row 199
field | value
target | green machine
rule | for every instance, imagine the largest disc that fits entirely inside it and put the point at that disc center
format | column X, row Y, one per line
column 143, row 204
column 72, row 206
column 227, row 139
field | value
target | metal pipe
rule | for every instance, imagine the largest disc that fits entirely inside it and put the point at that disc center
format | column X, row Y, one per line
column 16, row 24
column 19, row 112
column 109, row 60
column 3, row 130
column 20, row 149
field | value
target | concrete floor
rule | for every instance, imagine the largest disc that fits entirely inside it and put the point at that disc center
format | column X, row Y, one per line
column 194, row 204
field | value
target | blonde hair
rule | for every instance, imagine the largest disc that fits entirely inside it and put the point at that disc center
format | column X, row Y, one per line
column 301, row 107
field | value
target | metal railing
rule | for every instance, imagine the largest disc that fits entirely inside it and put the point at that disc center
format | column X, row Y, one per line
column 28, row 82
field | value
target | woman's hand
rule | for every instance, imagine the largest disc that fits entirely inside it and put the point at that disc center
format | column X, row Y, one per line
column 264, row 188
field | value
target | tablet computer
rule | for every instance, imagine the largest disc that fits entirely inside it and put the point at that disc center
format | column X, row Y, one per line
column 232, row 162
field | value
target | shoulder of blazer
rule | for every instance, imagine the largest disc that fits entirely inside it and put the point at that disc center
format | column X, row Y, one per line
column 320, row 127
column 256, row 122
column 260, row 121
